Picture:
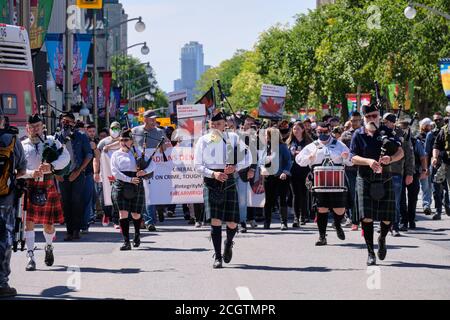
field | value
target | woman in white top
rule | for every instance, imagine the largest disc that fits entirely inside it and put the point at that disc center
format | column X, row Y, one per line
column 128, row 193
column 316, row 154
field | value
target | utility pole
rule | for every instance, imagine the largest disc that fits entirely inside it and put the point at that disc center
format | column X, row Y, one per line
column 358, row 98
column 68, row 77
column 11, row 12
column 24, row 14
column 94, row 74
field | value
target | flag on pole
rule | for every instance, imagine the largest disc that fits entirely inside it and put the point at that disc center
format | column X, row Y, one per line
column 209, row 101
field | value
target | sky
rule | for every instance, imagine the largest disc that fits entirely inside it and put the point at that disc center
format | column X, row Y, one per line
column 221, row 26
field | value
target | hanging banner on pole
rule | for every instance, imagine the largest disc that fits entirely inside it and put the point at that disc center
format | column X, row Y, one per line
column 81, row 48
column 394, row 92
column 272, row 101
column 55, row 56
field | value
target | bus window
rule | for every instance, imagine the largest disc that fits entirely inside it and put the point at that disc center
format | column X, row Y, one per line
column 9, row 103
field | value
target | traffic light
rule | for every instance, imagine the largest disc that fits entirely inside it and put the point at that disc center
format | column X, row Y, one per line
column 90, row 4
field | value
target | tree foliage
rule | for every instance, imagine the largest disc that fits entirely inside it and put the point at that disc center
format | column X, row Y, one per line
column 329, row 51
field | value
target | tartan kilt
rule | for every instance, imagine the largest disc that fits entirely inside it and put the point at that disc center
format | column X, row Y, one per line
column 367, row 207
column 331, row 200
column 228, row 210
column 52, row 212
column 137, row 205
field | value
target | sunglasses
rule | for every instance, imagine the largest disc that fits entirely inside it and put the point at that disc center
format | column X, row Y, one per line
column 371, row 116
column 323, row 132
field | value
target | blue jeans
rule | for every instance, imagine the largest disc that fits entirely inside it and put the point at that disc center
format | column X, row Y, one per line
column 7, row 223
column 426, row 186
column 89, row 196
column 242, row 197
column 397, row 183
column 150, row 215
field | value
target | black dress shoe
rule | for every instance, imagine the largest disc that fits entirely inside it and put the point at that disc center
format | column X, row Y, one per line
column 371, row 260
column 412, row 226
column 228, row 252
column 382, row 250
column 427, row 211
column 447, row 210
column 126, row 246
column 68, row 237
column 76, row 235
column 266, row 226
column 404, row 228
column 339, row 231
column 137, row 241
column 8, row 292
column 49, row 257
column 322, row 242
column 437, row 217
column 218, row 263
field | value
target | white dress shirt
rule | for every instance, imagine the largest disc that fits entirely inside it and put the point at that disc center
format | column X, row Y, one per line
column 33, row 154
column 125, row 162
column 211, row 153
column 322, row 152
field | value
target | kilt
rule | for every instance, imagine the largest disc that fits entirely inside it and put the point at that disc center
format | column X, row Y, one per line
column 228, row 210
column 49, row 214
column 331, row 200
column 136, row 205
column 367, row 207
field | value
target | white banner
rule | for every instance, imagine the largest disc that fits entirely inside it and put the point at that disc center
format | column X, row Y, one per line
column 177, row 95
column 106, row 175
column 269, row 90
column 174, row 181
column 191, row 111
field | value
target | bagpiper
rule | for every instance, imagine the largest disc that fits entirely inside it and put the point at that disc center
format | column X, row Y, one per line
column 217, row 156
column 45, row 156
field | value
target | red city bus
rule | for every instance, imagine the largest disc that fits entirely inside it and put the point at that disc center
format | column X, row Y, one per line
column 17, row 89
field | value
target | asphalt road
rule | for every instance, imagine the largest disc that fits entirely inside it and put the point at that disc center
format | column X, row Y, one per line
column 176, row 263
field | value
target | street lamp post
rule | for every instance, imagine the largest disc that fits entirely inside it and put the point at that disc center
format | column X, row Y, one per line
column 411, row 12
column 140, row 27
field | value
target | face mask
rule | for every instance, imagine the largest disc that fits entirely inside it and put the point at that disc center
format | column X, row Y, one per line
column 114, row 134
column 324, row 137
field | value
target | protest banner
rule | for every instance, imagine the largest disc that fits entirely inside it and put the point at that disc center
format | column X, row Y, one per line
column 174, row 181
column 272, row 101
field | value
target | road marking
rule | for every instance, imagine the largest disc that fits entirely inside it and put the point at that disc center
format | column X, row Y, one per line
column 244, row 293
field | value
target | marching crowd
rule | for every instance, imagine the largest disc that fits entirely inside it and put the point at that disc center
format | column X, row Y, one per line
column 382, row 163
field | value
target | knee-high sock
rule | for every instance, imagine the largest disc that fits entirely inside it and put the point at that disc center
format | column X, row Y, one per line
column 49, row 237
column 230, row 234
column 125, row 226
column 216, row 236
column 29, row 240
column 368, row 234
column 337, row 218
column 384, row 229
column 137, row 226
column 322, row 222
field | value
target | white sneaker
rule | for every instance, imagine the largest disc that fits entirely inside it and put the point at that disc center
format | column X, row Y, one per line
column 198, row 224
column 253, row 224
column 348, row 223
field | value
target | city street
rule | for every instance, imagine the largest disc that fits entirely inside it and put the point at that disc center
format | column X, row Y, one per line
column 176, row 263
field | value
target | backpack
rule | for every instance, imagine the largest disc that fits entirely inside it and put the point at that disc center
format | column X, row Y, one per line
column 7, row 168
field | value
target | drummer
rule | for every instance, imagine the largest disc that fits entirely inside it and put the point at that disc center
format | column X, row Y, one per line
column 327, row 151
